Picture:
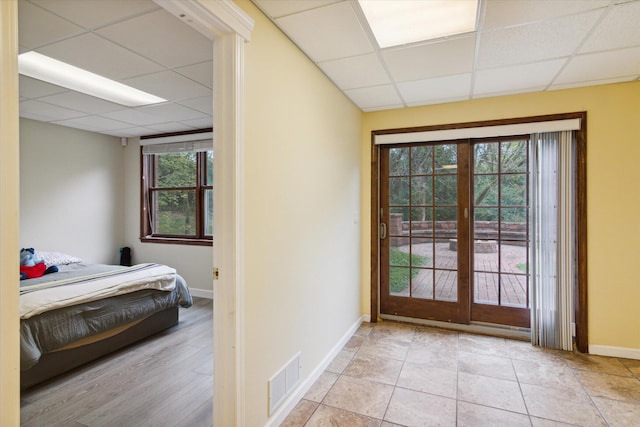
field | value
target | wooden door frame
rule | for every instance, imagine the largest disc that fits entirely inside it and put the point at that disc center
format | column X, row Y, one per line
column 580, row 296
column 458, row 311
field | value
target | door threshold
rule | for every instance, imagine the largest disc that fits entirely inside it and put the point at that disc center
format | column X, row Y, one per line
column 503, row 331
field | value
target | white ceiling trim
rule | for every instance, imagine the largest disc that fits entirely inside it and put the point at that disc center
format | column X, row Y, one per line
column 211, row 18
column 477, row 132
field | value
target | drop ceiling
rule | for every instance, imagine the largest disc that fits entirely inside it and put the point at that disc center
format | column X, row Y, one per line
column 519, row 46
column 135, row 42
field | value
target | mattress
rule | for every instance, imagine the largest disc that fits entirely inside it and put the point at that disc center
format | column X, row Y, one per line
column 87, row 310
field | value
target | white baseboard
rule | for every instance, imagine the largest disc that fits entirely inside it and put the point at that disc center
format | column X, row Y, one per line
column 296, row 395
column 366, row 318
column 624, row 352
column 201, row 293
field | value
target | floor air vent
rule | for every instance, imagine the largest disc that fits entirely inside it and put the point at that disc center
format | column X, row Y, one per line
column 283, row 382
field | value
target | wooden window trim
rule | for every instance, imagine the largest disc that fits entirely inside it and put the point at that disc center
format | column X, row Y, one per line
column 581, row 300
column 200, row 188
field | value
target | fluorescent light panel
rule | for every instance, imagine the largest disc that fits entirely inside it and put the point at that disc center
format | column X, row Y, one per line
column 59, row 73
column 397, row 22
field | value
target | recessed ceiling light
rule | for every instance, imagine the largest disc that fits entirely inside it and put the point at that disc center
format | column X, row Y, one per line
column 59, row 73
column 397, row 22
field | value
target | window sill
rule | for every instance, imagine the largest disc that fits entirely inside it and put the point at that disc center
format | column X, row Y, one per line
column 177, row 241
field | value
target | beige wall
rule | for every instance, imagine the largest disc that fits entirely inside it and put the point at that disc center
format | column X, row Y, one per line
column 194, row 263
column 71, row 185
column 302, row 181
column 613, row 199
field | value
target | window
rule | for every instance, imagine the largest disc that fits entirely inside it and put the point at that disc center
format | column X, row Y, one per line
column 177, row 192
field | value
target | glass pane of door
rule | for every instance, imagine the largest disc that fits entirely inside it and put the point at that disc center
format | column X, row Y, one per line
column 500, row 231
column 420, row 201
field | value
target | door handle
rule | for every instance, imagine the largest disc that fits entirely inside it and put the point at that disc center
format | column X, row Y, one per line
column 383, row 231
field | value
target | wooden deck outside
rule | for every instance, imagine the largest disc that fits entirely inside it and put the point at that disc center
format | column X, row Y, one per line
column 443, row 268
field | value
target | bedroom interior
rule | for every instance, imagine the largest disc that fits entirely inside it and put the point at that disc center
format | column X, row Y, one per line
column 315, row 125
column 94, row 175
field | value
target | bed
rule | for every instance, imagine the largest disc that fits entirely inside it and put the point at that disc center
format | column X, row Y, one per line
column 86, row 311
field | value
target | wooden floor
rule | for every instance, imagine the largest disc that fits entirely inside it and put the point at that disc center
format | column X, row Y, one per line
column 167, row 380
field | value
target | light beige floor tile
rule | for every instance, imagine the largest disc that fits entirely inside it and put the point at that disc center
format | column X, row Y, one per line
column 388, row 349
column 443, row 382
column 547, row 375
column 437, row 342
column 393, row 330
column 541, row 422
column 494, row 392
column 608, row 386
column 488, row 366
column 560, row 405
column 433, row 355
column 481, row 344
column 300, row 414
column 619, row 414
column 588, row 362
column 341, row 361
column 374, row 368
column 326, row 416
column 365, row 329
column 354, row 343
column 413, row 408
column 523, row 350
column 472, row 415
column 632, row 365
column 361, row 396
column 321, row 387
column 388, row 424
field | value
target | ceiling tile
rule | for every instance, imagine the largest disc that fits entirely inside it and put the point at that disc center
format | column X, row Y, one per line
column 100, row 56
column 280, row 8
column 593, row 82
column 131, row 132
column 81, row 102
column 431, row 91
column 620, row 28
column 518, row 77
column 94, row 123
column 535, row 42
column 356, row 71
column 342, row 36
column 599, row 66
column 506, row 13
column 161, row 37
column 172, row 112
column 170, row 127
column 96, row 13
column 34, row 88
column 420, row 62
column 372, row 97
column 510, row 92
column 203, row 104
column 199, row 123
column 201, row 73
column 47, row 111
column 169, row 85
column 135, row 117
column 37, row 27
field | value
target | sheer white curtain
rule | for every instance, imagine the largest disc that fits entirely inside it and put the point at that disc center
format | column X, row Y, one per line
column 552, row 263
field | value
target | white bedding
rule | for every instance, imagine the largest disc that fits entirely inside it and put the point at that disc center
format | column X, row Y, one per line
column 65, row 292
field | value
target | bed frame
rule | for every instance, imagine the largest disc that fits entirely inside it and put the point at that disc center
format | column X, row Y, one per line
column 53, row 364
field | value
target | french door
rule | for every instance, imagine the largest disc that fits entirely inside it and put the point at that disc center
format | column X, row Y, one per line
column 454, row 231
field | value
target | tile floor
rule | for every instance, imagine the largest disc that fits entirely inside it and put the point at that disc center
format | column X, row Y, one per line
column 393, row 374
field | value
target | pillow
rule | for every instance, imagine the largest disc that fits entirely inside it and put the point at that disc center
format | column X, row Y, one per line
column 56, row 258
